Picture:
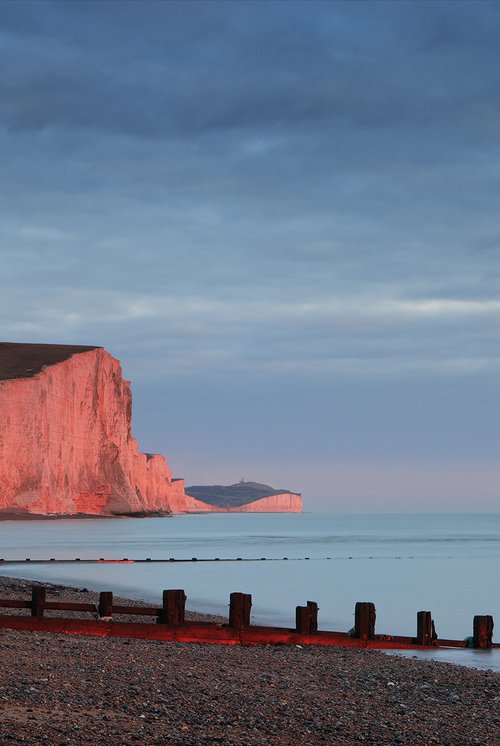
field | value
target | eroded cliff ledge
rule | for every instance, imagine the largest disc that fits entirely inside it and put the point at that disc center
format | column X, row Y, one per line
column 66, row 445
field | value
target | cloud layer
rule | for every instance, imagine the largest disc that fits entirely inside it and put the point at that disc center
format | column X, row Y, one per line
column 256, row 190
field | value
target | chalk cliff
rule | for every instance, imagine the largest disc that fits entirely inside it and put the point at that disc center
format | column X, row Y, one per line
column 65, row 438
column 247, row 497
column 284, row 502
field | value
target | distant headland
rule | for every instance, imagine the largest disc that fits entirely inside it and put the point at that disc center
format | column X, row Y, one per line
column 66, row 445
column 248, row 497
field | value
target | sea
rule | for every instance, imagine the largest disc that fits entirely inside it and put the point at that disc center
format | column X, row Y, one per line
column 448, row 564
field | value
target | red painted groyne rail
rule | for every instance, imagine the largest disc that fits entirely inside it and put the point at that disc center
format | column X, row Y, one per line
column 171, row 624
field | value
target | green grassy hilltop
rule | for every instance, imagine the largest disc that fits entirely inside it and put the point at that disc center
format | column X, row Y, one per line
column 233, row 495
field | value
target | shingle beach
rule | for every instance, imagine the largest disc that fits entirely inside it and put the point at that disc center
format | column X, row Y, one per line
column 69, row 690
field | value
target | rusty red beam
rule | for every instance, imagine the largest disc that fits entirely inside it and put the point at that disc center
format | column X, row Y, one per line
column 211, row 633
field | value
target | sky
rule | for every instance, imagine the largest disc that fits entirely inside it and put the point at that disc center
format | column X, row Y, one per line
column 283, row 219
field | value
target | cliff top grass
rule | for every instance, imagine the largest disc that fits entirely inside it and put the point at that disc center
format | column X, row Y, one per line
column 233, row 495
column 19, row 360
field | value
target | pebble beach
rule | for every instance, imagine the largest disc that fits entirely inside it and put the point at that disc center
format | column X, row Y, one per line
column 70, row 690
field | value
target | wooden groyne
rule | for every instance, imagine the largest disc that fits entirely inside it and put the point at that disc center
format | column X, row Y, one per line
column 172, row 625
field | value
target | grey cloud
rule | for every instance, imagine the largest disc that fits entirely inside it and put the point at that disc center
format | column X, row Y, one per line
column 224, row 68
column 348, row 335
column 253, row 197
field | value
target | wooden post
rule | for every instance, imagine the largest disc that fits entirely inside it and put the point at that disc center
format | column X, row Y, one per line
column 174, row 605
column 105, row 604
column 425, row 628
column 483, row 631
column 37, row 601
column 364, row 620
column 306, row 618
column 239, row 610
column 313, row 611
column 303, row 620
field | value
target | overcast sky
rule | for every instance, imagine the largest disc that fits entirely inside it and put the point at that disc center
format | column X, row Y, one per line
column 283, row 218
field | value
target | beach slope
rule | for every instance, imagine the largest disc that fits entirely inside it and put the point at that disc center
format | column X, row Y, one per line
column 63, row 689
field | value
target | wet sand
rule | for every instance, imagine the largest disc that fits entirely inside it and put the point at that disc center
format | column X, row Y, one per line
column 73, row 690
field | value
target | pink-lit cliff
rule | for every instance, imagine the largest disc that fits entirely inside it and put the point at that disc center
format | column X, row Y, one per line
column 65, row 438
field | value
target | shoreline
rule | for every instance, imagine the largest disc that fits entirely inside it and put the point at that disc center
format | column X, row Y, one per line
column 75, row 689
column 22, row 517
column 27, row 517
column 483, row 660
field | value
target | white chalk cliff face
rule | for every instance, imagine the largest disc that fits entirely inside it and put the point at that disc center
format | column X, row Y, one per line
column 66, row 444
column 284, row 502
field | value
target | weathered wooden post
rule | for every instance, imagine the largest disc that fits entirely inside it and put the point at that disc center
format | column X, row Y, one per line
column 306, row 618
column 303, row 620
column 240, row 605
column 173, row 610
column 364, row 620
column 313, row 611
column 38, row 594
column 483, row 631
column 105, row 604
column 426, row 633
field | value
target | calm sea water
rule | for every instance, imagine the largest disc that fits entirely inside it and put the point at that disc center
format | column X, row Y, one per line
column 448, row 564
